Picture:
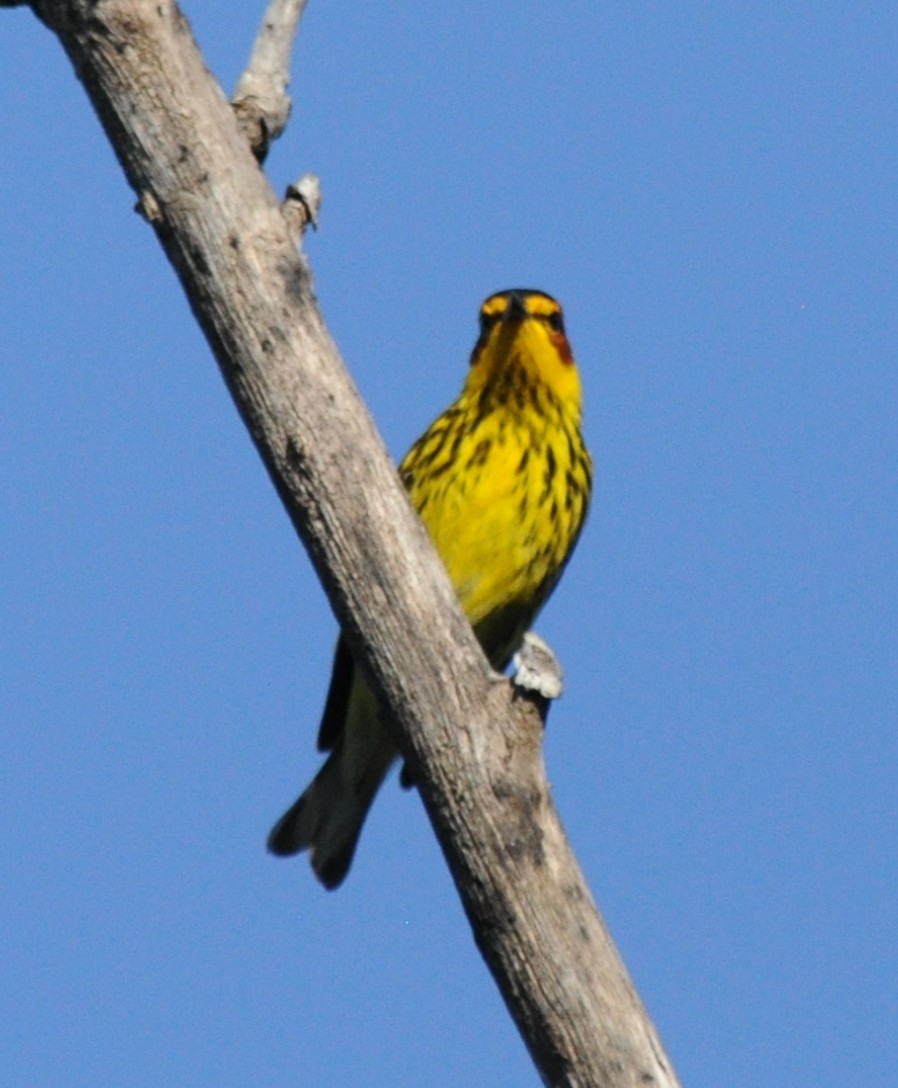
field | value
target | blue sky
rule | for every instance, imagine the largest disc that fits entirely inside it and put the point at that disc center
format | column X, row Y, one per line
column 710, row 190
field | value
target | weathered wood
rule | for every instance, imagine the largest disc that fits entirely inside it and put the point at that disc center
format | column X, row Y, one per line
column 261, row 101
column 474, row 746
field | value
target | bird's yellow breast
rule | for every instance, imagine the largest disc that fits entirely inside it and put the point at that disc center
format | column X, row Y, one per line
column 502, row 479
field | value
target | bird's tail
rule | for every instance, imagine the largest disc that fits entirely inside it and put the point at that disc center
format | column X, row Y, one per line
column 327, row 819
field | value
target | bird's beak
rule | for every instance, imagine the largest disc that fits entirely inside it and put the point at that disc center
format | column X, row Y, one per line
column 515, row 310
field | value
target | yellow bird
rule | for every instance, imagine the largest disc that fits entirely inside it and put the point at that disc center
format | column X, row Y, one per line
column 502, row 482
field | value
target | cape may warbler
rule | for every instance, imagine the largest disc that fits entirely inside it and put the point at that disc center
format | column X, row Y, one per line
column 501, row 481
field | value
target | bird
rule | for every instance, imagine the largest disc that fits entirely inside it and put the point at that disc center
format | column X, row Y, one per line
column 502, row 482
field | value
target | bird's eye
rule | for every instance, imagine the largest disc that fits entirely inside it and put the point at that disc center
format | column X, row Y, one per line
column 487, row 321
column 555, row 321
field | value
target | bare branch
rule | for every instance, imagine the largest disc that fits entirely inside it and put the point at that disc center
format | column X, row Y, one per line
column 302, row 205
column 474, row 750
column 261, row 101
column 537, row 669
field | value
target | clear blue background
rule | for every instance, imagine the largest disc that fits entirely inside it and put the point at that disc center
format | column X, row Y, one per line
column 711, row 191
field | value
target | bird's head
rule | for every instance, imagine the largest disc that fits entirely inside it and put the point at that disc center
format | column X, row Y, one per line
column 522, row 343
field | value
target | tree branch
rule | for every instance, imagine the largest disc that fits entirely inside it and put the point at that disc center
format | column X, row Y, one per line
column 302, row 205
column 474, row 747
column 261, row 101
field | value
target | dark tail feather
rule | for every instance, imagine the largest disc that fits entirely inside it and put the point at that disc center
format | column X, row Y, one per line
column 328, row 818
